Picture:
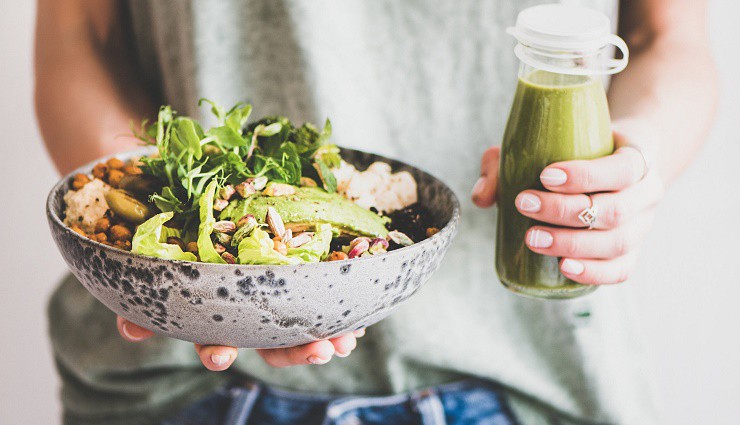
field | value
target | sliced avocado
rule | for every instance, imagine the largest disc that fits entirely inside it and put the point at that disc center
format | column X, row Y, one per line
column 308, row 207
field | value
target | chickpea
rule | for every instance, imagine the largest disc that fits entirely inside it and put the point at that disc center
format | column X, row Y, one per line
column 100, row 237
column 177, row 241
column 124, row 245
column 132, row 170
column 337, row 256
column 192, row 247
column 79, row 181
column 120, row 233
column 102, row 225
column 114, row 177
column 77, row 230
column 431, row 231
column 100, row 170
column 115, row 164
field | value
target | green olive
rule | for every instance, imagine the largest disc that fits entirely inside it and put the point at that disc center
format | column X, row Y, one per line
column 141, row 185
column 127, row 207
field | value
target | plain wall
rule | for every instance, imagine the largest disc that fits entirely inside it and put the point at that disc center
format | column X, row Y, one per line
column 688, row 272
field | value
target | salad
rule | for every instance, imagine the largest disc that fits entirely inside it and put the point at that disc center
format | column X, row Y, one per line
column 266, row 192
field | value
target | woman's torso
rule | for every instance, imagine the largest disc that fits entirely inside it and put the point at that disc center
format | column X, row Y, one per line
column 429, row 83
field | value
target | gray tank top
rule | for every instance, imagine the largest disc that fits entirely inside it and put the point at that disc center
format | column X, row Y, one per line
column 429, row 83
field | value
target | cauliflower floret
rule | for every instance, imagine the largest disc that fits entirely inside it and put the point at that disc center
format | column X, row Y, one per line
column 377, row 187
column 86, row 206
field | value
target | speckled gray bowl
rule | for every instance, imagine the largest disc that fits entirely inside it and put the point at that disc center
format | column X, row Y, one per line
column 257, row 306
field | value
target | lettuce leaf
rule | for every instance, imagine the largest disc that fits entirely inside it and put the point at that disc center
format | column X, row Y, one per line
column 317, row 249
column 257, row 248
column 206, row 251
column 149, row 237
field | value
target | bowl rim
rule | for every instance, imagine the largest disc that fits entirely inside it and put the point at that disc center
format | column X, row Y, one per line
column 448, row 229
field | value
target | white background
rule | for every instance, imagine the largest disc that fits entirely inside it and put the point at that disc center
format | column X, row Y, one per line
column 688, row 279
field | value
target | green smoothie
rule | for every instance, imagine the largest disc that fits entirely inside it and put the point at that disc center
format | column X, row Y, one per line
column 555, row 117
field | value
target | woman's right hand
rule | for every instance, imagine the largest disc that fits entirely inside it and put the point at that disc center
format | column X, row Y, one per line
column 218, row 358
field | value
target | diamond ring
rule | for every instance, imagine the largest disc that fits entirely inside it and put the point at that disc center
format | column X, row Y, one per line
column 589, row 215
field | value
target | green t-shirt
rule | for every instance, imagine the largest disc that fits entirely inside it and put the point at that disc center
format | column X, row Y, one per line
column 429, row 82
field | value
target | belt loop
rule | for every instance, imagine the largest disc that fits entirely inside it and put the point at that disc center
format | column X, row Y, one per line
column 243, row 400
column 429, row 406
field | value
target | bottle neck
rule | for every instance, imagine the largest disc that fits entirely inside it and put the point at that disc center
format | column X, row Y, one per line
column 539, row 76
column 575, row 62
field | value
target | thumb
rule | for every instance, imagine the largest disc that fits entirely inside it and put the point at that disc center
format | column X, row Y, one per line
column 484, row 191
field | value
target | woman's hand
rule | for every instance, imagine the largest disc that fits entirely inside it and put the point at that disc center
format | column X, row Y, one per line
column 218, row 358
column 623, row 190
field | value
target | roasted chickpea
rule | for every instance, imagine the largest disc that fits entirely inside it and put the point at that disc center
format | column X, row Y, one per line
column 100, row 170
column 115, row 164
column 125, row 245
column 431, row 231
column 79, row 181
column 192, row 247
column 77, row 229
column 337, row 256
column 120, row 233
column 100, row 237
column 177, row 241
column 114, row 177
column 132, row 170
column 102, row 225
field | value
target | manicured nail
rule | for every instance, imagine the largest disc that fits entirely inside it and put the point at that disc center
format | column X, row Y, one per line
column 219, row 360
column 572, row 267
column 479, row 187
column 553, row 177
column 360, row 333
column 338, row 354
column 317, row 360
column 529, row 203
column 540, row 239
column 127, row 332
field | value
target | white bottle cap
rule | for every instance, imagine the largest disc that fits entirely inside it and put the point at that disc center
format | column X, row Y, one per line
column 568, row 30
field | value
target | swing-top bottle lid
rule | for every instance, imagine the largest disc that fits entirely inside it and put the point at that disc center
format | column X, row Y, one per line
column 562, row 27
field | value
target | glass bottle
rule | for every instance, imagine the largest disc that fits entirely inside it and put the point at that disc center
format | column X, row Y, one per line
column 559, row 113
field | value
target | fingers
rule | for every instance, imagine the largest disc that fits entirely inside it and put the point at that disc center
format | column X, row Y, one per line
column 596, row 244
column 132, row 332
column 216, row 357
column 599, row 272
column 319, row 352
column 618, row 171
column 344, row 344
column 614, row 209
column 484, row 191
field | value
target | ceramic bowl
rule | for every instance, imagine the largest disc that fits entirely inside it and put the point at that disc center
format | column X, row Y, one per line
column 257, row 306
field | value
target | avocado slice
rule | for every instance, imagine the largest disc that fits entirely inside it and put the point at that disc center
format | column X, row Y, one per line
column 308, row 207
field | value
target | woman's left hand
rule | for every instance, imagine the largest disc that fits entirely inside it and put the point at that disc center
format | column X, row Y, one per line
column 624, row 191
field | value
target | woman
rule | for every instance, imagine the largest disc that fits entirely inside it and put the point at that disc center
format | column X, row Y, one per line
column 430, row 83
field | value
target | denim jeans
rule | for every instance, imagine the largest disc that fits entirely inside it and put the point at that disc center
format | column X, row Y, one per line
column 459, row 403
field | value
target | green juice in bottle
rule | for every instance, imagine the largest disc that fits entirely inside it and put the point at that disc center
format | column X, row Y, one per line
column 559, row 113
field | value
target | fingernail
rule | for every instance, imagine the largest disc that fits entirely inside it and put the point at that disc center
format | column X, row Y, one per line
column 338, row 354
column 572, row 267
column 318, row 360
column 479, row 187
column 553, row 177
column 219, row 360
column 529, row 203
column 360, row 333
column 540, row 239
column 127, row 332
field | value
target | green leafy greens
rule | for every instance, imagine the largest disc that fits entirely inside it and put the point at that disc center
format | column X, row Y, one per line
column 190, row 158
